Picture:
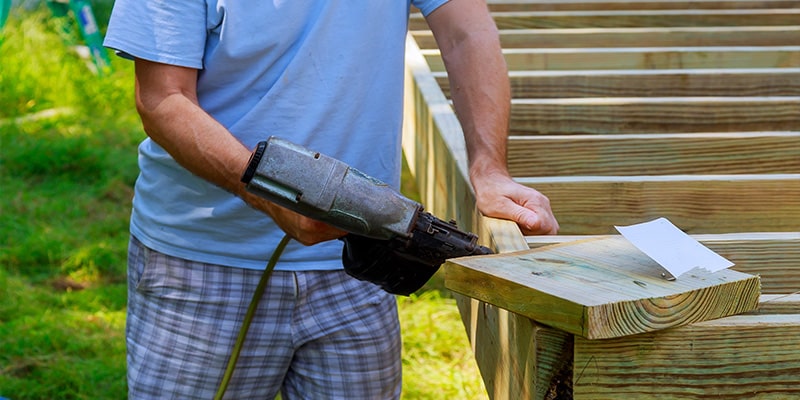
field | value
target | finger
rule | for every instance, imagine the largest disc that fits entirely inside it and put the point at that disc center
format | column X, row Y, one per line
column 536, row 222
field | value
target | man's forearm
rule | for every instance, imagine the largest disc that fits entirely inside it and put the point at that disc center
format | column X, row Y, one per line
column 196, row 141
column 479, row 85
column 481, row 98
column 172, row 117
column 201, row 145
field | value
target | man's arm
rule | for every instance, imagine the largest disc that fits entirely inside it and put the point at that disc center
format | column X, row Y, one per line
column 480, row 90
column 166, row 99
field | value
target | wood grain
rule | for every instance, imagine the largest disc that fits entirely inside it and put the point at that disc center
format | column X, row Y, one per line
column 655, row 154
column 739, row 357
column 778, row 304
column 742, row 201
column 773, row 256
column 612, row 115
column 633, row 18
column 516, row 356
column 531, row 61
column 527, row 354
column 751, row 82
column 696, row 204
column 584, row 5
column 600, row 288
column 638, row 37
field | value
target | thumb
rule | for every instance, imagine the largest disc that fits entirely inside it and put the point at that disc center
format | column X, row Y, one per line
column 528, row 220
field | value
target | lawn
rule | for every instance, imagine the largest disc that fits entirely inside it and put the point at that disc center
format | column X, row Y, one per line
column 68, row 142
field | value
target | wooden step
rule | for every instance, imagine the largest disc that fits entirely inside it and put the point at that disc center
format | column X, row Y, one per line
column 611, row 115
column 646, row 18
column 773, row 256
column 633, row 18
column 638, row 37
column 632, row 58
column 655, row 154
column 600, row 288
column 583, row 5
column 751, row 82
column 742, row 356
column 695, row 203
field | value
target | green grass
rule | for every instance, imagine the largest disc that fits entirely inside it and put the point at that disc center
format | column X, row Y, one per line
column 437, row 360
column 67, row 166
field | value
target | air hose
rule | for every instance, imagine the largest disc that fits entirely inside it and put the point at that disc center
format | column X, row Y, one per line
column 248, row 318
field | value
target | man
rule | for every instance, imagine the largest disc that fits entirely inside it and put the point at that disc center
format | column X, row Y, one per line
column 213, row 79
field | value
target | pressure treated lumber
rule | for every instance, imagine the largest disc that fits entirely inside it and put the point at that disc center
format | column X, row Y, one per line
column 637, row 58
column 773, row 256
column 655, row 154
column 695, row 203
column 645, row 18
column 600, row 288
column 513, row 364
column 777, row 304
column 654, row 115
column 750, row 82
column 633, row 18
column 585, row 5
column 529, row 354
column 434, row 147
column 514, row 360
column 739, row 357
column 638, row 37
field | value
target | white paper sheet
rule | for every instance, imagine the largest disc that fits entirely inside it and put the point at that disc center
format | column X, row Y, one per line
column 671, row 248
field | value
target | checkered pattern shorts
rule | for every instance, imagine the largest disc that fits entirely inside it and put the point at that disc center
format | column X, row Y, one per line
column 315, row 335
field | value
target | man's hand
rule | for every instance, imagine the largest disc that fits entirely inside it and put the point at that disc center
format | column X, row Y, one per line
column 305, row 230
column 500, row 197
column 480, row 90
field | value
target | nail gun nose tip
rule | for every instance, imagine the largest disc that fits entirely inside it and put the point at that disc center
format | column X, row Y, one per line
column 482, row 250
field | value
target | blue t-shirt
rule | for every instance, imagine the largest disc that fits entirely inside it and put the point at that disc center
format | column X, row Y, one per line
column 327, row 74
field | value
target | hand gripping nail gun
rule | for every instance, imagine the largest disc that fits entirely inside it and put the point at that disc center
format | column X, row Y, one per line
column 391, row 240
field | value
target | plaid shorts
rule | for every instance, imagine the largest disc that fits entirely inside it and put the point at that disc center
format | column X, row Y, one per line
column 315, row 335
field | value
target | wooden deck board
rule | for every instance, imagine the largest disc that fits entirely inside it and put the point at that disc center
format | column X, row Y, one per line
column 574, row 60
column 656, row 154
column 777, row 304
column 638, row 37
column 611, row 115
column 696, row 204
column 773, row 256
column 584, row 5
column 750, row 82
column 741, row 357
column 634, row 18
column 748, row 215
column 600, row 288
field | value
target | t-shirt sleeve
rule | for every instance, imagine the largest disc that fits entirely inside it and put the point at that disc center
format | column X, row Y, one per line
column 427, row 6
column 165, row 31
